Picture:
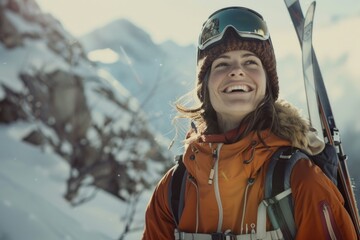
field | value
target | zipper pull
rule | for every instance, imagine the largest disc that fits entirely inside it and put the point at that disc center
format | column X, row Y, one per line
column 214, row 154
column 253, row 232
column 212, row 171
column 211, row 176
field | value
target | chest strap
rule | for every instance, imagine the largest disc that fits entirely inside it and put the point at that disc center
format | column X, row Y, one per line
column 271, row 235
column 260, row 233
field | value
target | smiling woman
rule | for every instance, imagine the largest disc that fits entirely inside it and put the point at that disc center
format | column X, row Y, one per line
column 236, row 128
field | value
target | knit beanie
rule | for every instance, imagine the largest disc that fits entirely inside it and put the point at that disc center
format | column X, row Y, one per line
column 232, row 41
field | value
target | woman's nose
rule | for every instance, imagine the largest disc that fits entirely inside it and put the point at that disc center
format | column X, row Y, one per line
column 236, row 71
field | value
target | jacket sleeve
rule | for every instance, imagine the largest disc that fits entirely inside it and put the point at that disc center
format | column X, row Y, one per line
column 319, row 206
column 159, row 223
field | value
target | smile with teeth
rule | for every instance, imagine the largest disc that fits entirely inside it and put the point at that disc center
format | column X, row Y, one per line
column 237, row 88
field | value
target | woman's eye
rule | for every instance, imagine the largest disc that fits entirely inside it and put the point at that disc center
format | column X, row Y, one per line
column 221, row 64
column 250, row 62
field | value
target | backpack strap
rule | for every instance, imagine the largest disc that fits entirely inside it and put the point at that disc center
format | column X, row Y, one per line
column 328, row 161
column 277, row 183
column 177, row 189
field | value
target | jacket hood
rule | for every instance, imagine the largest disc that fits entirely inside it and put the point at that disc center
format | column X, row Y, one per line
column 297, row 129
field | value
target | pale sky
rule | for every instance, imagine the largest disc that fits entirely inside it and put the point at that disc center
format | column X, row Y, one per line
column 179, row 20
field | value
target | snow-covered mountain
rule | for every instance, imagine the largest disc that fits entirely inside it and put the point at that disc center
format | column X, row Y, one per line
column 157, row 74
column 69, row 133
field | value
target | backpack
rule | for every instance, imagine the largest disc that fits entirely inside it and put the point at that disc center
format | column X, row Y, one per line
column 278, row 198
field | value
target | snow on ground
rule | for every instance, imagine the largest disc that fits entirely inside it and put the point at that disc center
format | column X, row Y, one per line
column 32, row 182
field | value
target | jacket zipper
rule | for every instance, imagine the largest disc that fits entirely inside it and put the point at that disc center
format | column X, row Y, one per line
column 249, row 184
column 327, row 218
column 214, row 178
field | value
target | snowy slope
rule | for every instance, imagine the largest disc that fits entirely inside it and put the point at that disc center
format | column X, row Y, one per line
column 69, row 133
column 31, row 197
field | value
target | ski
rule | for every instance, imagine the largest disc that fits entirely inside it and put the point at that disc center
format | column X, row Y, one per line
column 309, row 78
column 314, row 83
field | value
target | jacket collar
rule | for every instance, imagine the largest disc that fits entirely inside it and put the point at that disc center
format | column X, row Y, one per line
column 294, row 129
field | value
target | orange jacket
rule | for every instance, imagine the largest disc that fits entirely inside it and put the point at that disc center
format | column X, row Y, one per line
column 230, row 203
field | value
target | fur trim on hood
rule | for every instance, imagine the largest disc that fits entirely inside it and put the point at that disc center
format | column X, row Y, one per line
column 297, row 129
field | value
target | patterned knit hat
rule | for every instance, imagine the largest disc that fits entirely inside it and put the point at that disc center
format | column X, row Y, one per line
column 232, row 41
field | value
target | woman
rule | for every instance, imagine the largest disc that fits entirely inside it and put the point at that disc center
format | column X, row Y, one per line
column 237, row 126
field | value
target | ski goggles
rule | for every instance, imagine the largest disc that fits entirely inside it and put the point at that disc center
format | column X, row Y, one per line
column 246, row 22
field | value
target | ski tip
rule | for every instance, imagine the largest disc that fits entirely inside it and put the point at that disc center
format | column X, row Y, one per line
column 309, row 17
column 290, row 2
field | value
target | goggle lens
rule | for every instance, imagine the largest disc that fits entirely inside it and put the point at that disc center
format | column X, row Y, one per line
column 247, row 23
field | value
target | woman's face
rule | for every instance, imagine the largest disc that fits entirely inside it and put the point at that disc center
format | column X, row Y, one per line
column 237, row 83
